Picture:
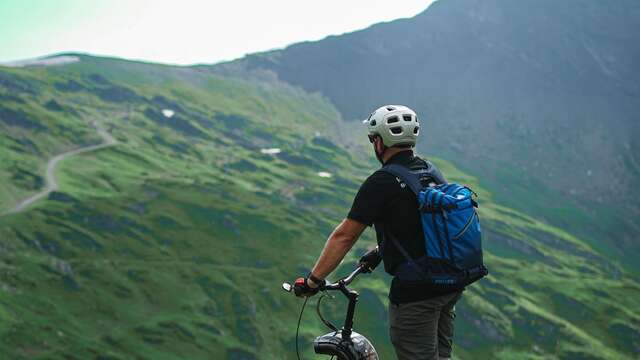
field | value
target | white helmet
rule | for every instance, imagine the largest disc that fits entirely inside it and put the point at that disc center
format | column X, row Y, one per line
column 396, row 125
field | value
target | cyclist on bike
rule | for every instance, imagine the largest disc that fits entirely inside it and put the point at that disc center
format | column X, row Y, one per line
column 421, row 322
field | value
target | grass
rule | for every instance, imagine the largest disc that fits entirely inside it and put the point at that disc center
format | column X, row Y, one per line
column 174, row 243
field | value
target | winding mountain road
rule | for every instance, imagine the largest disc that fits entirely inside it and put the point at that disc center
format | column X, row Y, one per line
column 52, row 182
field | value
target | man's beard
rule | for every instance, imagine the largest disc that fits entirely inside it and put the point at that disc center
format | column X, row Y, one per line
column 379, row 156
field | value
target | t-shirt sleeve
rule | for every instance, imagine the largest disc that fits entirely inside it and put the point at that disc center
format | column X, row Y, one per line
column 368, row 205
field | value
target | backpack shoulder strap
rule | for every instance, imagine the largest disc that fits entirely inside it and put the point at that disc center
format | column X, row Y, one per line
column 432, row 171
column 404, row 174
column 380, row 232
column 436, row 173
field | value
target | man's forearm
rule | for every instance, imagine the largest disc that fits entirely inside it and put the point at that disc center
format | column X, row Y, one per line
column 334, row 251
column 338, row 245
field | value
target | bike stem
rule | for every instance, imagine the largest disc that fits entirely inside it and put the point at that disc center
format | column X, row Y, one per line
column 351, row 309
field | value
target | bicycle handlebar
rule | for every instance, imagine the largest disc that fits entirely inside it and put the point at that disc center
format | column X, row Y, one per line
column 340, row 285
column 332, row 286
column 344, row 281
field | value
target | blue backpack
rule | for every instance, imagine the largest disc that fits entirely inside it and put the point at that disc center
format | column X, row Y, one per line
column 452, row 236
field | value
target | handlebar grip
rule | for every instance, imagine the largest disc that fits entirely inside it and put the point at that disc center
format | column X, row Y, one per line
column 370, row 260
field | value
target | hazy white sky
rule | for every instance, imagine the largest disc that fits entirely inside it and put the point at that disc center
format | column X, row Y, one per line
column 182, row 32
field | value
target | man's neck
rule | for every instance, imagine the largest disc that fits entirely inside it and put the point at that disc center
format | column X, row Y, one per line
column 390, row 152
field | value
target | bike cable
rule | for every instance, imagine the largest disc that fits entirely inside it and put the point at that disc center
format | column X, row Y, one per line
column 298, row 328
column 326, row 322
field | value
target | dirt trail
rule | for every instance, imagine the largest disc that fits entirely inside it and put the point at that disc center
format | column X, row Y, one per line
column 52, row 182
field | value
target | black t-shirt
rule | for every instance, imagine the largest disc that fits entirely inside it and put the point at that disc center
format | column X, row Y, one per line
column 386, row 202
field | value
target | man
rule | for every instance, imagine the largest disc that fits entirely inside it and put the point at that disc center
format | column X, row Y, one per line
column 421, row 322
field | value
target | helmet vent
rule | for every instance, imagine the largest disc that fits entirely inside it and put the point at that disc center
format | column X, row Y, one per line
column 397, row 130
column 406, row 117
column 392, row 119
column 390, row 108
column 416, row 129
column 372, row 123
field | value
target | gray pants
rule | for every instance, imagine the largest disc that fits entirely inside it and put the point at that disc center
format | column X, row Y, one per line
column 423, row 330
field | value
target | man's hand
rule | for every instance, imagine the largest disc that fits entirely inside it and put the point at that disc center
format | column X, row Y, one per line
column 305, row 287
column 370, row 260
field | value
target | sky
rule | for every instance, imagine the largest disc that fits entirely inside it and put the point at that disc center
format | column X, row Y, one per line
column 182, row 32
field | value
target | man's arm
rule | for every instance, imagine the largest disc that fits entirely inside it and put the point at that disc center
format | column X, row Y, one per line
column 338, row 245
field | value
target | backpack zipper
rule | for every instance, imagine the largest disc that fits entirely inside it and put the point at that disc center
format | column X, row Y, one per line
column 466, row 226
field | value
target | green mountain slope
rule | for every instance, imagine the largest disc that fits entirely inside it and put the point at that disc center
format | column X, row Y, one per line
column 174, row 242
column 531, row 94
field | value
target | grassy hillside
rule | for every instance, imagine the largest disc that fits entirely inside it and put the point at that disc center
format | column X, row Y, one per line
column 174, row 243
column 530, row 94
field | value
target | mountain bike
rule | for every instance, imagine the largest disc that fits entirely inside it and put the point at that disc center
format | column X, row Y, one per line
column 340, row 344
